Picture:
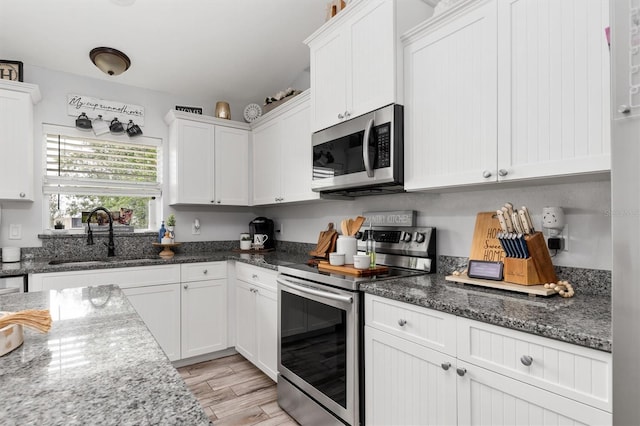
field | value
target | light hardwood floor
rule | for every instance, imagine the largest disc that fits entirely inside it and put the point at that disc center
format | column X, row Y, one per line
column 233, row 391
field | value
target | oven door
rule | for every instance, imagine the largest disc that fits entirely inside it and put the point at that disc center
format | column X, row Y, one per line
column 318, row 338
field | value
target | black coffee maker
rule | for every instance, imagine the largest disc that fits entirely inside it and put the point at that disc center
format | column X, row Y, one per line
column 263, row 225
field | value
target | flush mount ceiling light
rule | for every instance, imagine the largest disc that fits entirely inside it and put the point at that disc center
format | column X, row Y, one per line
column 109, row 60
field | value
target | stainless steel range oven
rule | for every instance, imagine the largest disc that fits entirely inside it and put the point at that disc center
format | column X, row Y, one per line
column 320, row 327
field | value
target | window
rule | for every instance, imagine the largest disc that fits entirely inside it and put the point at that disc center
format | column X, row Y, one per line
column 83, row 171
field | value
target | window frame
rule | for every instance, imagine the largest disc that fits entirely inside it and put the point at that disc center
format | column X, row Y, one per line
column 152, row 190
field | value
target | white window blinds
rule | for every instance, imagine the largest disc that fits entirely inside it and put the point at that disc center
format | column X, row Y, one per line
column 77, row 163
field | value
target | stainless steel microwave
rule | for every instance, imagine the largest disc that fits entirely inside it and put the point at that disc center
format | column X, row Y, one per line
column 362, row 156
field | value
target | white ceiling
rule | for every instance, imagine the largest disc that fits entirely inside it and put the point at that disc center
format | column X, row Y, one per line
column 238, row 50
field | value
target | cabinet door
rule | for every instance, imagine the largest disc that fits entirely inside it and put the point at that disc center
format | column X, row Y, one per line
column 231, row 166
column 192, row 176
column 204, row 317
column 16, row 141
column 451, row 102
column 159, row 308
column 371, row 58
column 267, row 332
column 245, row 320
column 487, row 398
column 297, row 156
column 328, row 80
column 267, row 163
column 406, row 384
column 553, row 61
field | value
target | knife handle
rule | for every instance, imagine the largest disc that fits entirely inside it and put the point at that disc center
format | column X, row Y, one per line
column 507, row 219
column 525, row 222
column 517, row 225
column 503, row 224
column 526, row 213
column 509, row 208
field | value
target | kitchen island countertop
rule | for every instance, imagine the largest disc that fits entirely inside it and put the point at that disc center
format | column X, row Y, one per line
column 583, row 320
column 99, row 364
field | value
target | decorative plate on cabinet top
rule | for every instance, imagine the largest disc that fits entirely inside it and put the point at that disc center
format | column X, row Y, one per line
column 251, row 112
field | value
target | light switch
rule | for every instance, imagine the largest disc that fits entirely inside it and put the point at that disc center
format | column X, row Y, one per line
column 15, row 232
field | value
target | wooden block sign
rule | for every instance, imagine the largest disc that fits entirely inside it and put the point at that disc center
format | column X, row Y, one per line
column 485, row 245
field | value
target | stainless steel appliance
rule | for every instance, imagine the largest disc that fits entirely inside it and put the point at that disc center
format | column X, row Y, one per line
column 320, row 326
column 361, row 156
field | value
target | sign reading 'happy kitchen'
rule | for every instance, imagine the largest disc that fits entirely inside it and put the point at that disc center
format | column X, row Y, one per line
column 77, row 104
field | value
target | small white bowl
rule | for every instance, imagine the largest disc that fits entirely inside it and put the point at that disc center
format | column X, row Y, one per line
column 361, row 261
column 336, row 259
column 11, row 336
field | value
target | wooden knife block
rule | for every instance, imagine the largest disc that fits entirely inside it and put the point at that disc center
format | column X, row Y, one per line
column 535, row 270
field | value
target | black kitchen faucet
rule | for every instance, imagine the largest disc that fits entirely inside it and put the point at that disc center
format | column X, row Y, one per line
column 110, row 246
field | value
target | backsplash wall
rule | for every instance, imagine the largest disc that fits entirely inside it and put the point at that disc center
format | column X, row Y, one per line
column 586, row 206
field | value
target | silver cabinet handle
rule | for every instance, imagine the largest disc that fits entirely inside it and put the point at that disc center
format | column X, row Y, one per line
column 503, row 172
column 213, row 201
column 254, row 276
column 218, row 201
column 402, row 322
column 186, row 286
column 486, row 174
column 340, row 116
column 526, row 360
column 445, row 365
column 347, row 114
column 206, row 271
column 624, row 109
column 461, row 371
column 22, row 195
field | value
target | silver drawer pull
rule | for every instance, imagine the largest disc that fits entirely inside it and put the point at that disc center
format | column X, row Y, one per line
column 206, row 271
column 254, row 276
column 461, row 371
column 445, row 365
column 402, row 322
column 526, row 360
column 186, row 286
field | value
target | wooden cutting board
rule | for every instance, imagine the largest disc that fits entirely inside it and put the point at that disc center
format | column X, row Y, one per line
column 326, row 242
column 350, row 270
column 485, row 245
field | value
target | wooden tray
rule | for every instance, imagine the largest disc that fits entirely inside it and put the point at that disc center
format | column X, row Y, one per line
column 532, row 290
column 350, row 270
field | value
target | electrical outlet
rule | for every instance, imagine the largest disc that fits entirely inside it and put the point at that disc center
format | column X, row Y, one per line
column 15, row 232
column 564, row 240
column 195, row 230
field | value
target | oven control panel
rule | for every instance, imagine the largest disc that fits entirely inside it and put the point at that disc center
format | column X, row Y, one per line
column 412, row 241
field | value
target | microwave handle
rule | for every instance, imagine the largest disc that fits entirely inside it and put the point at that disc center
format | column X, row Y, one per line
column 365, row 149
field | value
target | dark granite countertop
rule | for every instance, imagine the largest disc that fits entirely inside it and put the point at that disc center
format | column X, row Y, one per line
column 584, row 319
column 99, row 364
column 269, row 260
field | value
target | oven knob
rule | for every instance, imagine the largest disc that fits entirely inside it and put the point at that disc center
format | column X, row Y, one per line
column 406, row 237
column 418, row 237
column 359, row 235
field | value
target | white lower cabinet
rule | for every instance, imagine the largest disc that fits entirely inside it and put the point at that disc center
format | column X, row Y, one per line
column 257, row 316
column 406, row 384
column 184, row 306
column 159, row 308
column 491, row 376
column 204, row 308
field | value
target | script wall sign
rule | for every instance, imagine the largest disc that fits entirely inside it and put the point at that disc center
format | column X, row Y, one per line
column 77, row 104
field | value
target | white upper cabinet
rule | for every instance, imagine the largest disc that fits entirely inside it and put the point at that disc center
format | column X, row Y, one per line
column 554, row 94
column 451, row 94
column 16, row 139
column 209, row 160
column 282, row 154
column 355, row 63
column 507, row 90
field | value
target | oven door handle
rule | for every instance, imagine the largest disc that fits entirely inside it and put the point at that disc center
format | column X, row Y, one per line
column 303, row 289
column 365, row 149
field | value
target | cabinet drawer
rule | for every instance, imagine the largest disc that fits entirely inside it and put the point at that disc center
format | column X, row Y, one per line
column 427, row 327
column 203, row 271
column 256, row 275
column 574, row 371
column 123, row 277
